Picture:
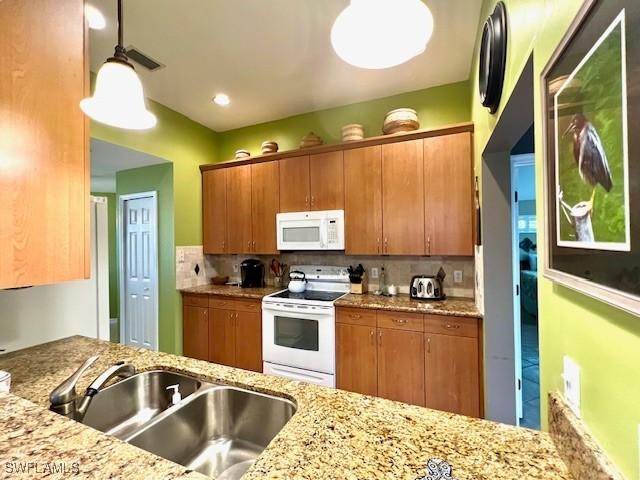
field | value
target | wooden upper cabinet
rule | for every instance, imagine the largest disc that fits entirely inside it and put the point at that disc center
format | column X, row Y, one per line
column 403, row 198
column 239, row 237
column 326, row 173
column 265, row 204
column 195, row 335
column 401, row 366
column 452, row 372
column 294, row 184
column 249, row 340
column 363, row 200
column 448, row 174
column 44, row 160
column 356, row 358
column 214, row 210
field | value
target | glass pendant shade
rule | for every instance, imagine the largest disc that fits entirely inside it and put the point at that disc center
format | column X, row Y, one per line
column 118, row 99
column 376, row 34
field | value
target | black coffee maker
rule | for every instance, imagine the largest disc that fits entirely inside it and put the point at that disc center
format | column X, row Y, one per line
column 252, row 273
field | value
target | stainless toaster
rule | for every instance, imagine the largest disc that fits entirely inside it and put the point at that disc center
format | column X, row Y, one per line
column 425, row 287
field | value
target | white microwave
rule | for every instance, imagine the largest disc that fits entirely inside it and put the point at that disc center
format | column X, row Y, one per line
column 322, row 230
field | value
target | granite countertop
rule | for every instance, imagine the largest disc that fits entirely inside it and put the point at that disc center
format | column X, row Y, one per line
column 333, row 435
column 459, row 307
column 232, row 291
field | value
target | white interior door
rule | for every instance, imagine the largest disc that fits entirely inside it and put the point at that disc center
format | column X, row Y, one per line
column 140, row 321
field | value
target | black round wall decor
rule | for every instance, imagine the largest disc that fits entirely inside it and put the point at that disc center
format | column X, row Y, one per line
column 493, row 57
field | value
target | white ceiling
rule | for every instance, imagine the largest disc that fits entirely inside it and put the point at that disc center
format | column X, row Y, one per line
column 273, row 58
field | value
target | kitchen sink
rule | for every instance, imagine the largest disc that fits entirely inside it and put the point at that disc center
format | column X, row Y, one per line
column 219, row 432
column 123, row 408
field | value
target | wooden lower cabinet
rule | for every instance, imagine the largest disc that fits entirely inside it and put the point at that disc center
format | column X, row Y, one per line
column 356, row 359
column 387, row 354
column 196, row 332
column 452, row 374
column 401, row 366
column 222, row 337
column 249, row 341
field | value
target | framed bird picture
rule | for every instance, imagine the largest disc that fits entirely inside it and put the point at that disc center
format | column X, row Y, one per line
column 591, row 104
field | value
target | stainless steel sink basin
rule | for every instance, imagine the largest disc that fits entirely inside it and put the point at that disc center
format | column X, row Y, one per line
column 219, row 432
column 123, row 408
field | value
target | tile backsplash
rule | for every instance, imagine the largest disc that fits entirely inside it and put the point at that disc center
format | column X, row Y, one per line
column 398, row 270
column 191, row 268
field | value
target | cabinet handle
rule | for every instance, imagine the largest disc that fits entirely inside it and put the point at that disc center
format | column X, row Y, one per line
column 306, row 201
column 380, row 337
column 386, row 245
column 428, row 344
column 355, row 315
column 249, row 245
column 254, row 245
column 372, row 334
column 449, row 325
column 223, row 245
column 399, row 320
column 429, row 244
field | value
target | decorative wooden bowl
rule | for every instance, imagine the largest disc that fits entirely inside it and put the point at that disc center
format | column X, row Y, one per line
column 242, row 154
column 400, row 120
column 219, row 280
column 352, row 132
column 269, row 147
column 311, row 140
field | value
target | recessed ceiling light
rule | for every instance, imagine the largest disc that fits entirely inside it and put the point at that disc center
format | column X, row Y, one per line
column 379, row 34
column 222, row 99
column 94, row 17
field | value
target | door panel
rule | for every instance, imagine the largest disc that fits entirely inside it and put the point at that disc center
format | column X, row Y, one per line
column 195, row 343
column 214, row 210
column 249, row 341
column 44, row 162
column 403, row 198
column 448, row 173
column 326, row 173
column 265, row 204
column 363, row 200
column 452, row 374
column 239, row 208
column 222, row 337
column 294, row 184
column 401, row 366
column 356, row 359
column 140, row 316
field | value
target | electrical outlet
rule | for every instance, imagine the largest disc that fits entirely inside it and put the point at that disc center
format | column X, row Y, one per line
column 457, row 276
column 374, row 272
column 180, row 255
column 235, row 268
column 571, row 378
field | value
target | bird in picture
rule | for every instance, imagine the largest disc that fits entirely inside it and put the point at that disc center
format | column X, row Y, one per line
column 589, row 154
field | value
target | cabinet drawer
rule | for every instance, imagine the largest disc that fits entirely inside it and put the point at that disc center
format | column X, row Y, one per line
column 400, row 321
column 356, row 316
column 460, row 326
column 225, row 303
column 250, row 306
column 195, row 300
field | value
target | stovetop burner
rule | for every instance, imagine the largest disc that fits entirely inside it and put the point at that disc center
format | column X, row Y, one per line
column 316, row 295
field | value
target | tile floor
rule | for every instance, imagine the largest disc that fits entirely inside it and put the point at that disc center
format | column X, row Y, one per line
column 530, row 375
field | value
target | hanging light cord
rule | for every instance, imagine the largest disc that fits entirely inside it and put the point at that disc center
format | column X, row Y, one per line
column 120, row 54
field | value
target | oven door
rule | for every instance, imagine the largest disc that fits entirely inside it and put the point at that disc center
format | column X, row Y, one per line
column 299, row 336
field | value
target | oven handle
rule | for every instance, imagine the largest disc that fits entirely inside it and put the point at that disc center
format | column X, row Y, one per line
column 302, row 310
column 295, row 375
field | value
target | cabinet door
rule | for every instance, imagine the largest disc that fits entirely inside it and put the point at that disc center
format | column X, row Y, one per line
column 448, row 178
column 363, row 200
column 195, row 332
column 294, row 184
column 403, row 198
column 214, row 210
column 249, row 341
column 326, row 172
column 265, row 202
column 44, row 161
column 452, row 374
column 222, row 336
column 239, row 209
column 401, row 365
column 356, row 359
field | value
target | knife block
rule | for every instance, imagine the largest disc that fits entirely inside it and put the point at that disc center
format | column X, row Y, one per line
column 360, row 288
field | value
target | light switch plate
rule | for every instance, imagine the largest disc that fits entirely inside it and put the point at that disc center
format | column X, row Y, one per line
column 180, row 255
column 374, row 272
column 235, row 268
column 457, row 276
column 571, row 378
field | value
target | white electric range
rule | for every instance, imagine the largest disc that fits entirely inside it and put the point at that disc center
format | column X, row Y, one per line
column 299, row 329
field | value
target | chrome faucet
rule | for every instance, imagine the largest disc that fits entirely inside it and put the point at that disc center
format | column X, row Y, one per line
column 64, row 399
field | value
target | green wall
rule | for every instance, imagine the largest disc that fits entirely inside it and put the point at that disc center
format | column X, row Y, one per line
column 114, row 288
column 436, row 107
column 159, row 178
column 603, row 340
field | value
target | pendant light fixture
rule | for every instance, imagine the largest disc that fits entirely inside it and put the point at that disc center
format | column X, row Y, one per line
column 118, row 99
column 376, row 34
